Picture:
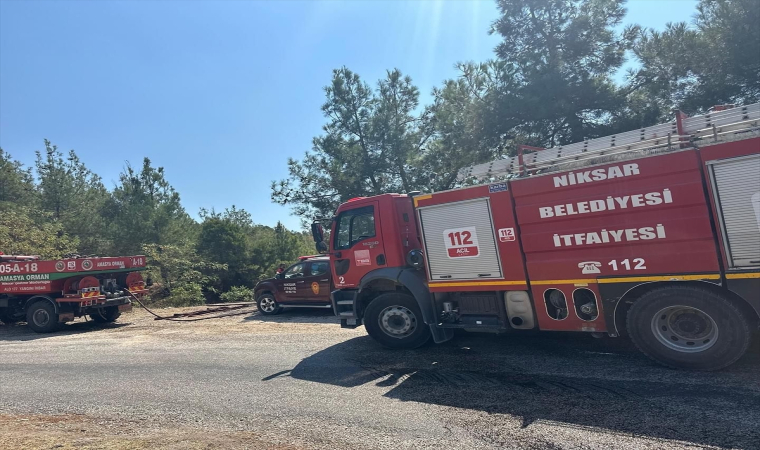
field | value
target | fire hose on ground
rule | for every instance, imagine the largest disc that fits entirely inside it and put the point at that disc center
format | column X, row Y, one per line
column 177, row 317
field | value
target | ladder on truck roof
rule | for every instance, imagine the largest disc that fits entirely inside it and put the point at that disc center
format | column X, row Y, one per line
column 722, row 125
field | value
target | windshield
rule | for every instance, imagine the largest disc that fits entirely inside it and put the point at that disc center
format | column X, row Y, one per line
column 353, row 226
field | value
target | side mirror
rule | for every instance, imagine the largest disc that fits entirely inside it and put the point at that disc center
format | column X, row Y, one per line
column 318, row 234
column 279, row 275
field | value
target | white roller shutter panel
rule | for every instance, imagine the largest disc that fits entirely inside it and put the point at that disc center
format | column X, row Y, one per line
column 736, row 183
column 437, row 219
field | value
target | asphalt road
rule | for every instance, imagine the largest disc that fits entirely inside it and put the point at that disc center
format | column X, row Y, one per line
column 299, row 380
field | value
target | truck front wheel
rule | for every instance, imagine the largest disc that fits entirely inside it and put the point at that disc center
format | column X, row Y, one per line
column 395, row 321
column 267, row 305
column 689, row 328
column 41, row 317
column 106, row 315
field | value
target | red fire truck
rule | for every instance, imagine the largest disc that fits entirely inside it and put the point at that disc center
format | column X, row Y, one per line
column 653, row 234
column 49, row 293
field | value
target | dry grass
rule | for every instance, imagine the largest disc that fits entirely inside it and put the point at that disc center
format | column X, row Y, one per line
column 250, row 322
column 139, row 323
column 37, row 432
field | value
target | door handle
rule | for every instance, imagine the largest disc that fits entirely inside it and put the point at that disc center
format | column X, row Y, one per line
column 299, row 282
column 326, row 279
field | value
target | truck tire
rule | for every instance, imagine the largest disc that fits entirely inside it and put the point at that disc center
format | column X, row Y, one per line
column 267, row 305
column 7, row 317
column 41, row 317
column 106, row 315
column 395, row 321
column 689, row 328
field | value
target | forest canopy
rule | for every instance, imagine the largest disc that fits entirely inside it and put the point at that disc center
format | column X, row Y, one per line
column 555, row 78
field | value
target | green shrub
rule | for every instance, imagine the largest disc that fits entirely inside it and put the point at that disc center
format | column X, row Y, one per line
column 237, row 294
column 189, row 294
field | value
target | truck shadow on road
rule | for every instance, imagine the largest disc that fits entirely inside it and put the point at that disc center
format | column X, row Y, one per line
column 20, row 332
column 566, row 379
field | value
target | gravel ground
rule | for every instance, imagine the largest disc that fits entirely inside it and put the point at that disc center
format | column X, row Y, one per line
column 299, row 381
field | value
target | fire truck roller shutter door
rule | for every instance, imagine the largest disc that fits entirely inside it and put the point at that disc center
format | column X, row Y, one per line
column 459, row 241
column 736, row 183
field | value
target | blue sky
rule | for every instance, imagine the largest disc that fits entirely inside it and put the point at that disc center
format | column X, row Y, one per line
column 220, row 93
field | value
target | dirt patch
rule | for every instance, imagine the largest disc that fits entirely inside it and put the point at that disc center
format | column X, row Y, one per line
column 69, row 431
column 243, row 321
column 247, row 320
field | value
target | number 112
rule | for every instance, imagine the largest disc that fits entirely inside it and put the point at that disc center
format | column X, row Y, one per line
column 461, row 238
column 627, row 264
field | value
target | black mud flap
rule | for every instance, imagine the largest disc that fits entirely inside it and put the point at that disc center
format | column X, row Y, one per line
column 441, row 335
column 350, row 323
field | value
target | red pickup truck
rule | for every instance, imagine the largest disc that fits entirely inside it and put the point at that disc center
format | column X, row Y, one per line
column 305, row 284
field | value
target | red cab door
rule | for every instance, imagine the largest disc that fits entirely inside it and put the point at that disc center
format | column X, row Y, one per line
column 357, row 244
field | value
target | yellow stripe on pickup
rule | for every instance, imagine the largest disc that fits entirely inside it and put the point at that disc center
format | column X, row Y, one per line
column 474, row 283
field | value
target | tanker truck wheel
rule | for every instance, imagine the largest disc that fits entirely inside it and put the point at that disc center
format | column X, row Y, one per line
column 689, row 328
column 106, row 315
column 395, row 321
column 41, row 317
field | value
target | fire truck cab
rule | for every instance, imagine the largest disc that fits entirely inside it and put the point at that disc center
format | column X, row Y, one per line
column 653, row 234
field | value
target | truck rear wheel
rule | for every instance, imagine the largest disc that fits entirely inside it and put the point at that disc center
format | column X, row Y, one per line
column 689, row 328
column 106, row 315
column 41, row 317
column 395, row 321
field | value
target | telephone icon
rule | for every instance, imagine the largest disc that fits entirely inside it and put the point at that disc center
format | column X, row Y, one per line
column 590, row 267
